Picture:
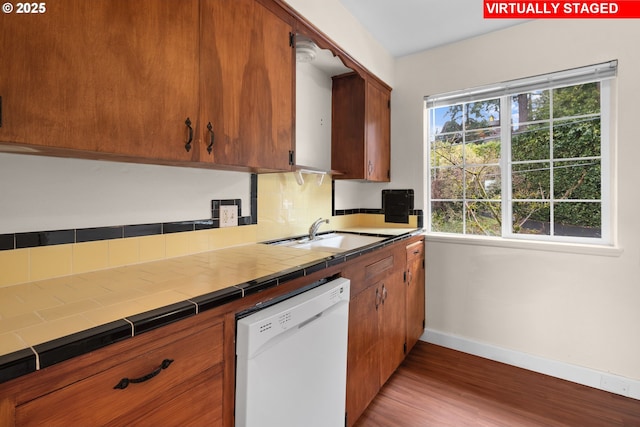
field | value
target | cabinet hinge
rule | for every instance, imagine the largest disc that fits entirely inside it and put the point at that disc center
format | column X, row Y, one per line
column 292, row 39
column 389, row 173
column 404, row 277
column 291, row 162
column 423, row 324
column 389, row 104
column 423, row 263
column 404, row 348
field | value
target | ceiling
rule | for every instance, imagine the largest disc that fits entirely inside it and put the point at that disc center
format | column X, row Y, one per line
column 403, row 27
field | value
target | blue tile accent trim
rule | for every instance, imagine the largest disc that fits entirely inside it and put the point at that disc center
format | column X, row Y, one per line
column 99, row 233
column 7, row 242
column 65, row 348
column 153, row 319
column 217, row 298
column 16, row 364
column 44, row 238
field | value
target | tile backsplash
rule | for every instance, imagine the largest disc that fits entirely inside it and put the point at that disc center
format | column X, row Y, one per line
column 280, row 207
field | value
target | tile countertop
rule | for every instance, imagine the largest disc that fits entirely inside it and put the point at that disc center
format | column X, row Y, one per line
column 46, row 322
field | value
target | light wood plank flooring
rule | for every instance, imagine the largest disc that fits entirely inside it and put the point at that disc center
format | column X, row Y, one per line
column 436, row 386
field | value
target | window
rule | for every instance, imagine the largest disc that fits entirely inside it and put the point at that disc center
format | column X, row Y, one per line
column 527, row 159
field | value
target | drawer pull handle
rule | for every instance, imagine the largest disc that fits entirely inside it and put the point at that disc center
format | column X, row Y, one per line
column 124, row 383
column 187, row 146
column 211, row 138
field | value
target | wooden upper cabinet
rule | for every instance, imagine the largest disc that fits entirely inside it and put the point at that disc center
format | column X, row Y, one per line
column 119, row 79
column 103, row 76
column 247, row 84
column 361, row 120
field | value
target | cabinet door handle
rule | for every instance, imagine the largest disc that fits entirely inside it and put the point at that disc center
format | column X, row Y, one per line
column 384, row 293
column 377, row 298
column 187, row 146
column 124, row 383
column 370, row 168
column 211, row 138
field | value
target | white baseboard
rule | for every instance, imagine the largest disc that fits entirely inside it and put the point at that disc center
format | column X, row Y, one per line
column 577, row 374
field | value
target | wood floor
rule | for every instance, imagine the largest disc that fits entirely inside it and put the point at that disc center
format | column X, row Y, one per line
column 436, row 386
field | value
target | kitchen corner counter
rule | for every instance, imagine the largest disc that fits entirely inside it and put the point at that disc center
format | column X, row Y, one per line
column 43, row 323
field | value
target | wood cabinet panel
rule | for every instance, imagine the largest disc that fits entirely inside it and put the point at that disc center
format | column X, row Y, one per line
column 247, row 84
column 361, row 125
column 95, row 400
column 415, row 304
column 363, row 357
column 91, row 76
column 392, row 325
column 378, row 133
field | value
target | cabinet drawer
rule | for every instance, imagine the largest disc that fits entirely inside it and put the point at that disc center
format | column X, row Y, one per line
column 95, row 401
column 379, row 269
column 415, row 250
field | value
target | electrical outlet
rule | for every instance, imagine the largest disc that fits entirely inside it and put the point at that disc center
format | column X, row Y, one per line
column 228, row 216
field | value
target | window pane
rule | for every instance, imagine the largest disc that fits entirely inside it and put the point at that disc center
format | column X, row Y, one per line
column 578, row 219
column 576, row 100
column 578, row 179
column 484, row 218
column 531, row 218
column 446, row 121
column 530, row 142
column 447, row 217
column 447, row 152
column 483, row 182
column 530, row 107
column 531, row 181
column 576, row 138
column 482, row 114
column 482, row 146
column 447, row 183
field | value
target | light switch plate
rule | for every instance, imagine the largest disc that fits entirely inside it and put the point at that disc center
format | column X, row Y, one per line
column 228, row 216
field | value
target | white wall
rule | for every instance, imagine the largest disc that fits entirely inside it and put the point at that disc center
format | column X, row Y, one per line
column 576, row 308
column 313, row 117
column 48, row 193
column 333, row 19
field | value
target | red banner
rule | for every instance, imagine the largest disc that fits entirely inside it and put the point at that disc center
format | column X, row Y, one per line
column 494, row 9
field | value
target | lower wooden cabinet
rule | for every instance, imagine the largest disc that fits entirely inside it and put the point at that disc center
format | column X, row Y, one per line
column 382, row 311
column 415, row 295
column 171, row 376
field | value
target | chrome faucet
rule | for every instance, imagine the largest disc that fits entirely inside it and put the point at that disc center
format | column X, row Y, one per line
column 314, row 227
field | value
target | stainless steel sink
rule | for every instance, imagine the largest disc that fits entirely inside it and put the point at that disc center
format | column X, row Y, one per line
column 332, row 242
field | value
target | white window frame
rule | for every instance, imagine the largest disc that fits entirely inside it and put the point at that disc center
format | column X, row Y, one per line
column 603, row 73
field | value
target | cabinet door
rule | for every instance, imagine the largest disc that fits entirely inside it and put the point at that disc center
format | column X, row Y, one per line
column 378, row 133
column 247, row 84
column 415, row 281
column 361, row 124
column 103, row 76
column 392, row 325
column 363, row 381
column 347, row 126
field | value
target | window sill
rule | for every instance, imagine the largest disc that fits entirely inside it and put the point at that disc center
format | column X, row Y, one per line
column 575, row 248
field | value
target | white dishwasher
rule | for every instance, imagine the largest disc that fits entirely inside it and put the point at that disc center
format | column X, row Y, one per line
column 292, row 360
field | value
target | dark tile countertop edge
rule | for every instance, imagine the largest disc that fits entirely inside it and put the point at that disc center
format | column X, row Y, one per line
column 28, row 360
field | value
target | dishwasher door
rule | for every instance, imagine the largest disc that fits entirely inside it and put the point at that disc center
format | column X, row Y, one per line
column 292, row 360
